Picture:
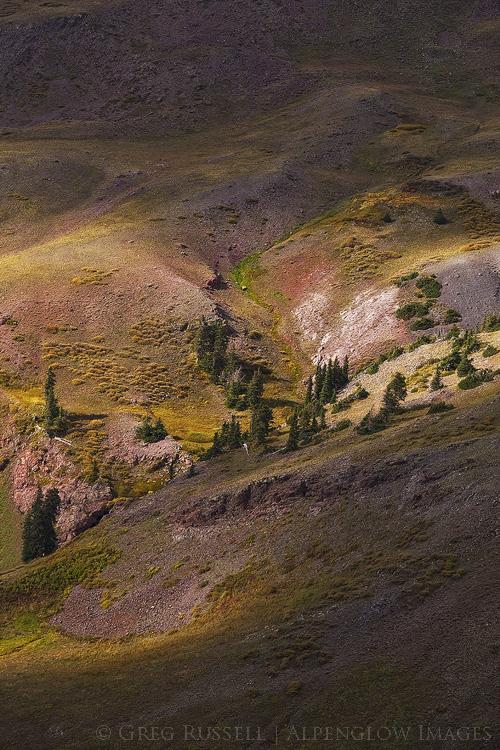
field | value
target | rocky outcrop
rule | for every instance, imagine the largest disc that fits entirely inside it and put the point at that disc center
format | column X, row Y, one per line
column 43, row 462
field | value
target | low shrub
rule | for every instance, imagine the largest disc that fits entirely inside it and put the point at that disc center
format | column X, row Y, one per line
column 439, row 406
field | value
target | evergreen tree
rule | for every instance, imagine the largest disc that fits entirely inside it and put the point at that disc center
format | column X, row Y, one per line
column 260, row 423
column 211, row 348
column 293, row 436
column 436, row 382
column 234, row 439
column 151, row 432
column 39, row 535
column 255, row 390
column 234, row 392
column 439, row 217
column 219, row 351
column 232, row 363
column 309, row 390
column 395, row 392
column 318, row 380
column 50, row 509
column 51, row 410
column 398, row 385
column 465, row 366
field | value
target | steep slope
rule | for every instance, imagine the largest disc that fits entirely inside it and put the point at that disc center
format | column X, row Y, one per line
column 322, row 178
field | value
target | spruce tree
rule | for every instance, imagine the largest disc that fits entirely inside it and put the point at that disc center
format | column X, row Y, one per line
column 234, row 439
column 309, row 390
column 465, row 366
column 293, row 436
column 50, row 509
column 436, row 382
column 39, row 534
column 255, row 390
column 51, row 409
column 318, row 380
column 326, row 389
column 234, row 392
column 260, row 423
column 439, row 217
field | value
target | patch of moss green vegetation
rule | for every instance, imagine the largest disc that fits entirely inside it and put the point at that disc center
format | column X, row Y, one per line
column 430, row 286
column 413, row 309
column 55, row 574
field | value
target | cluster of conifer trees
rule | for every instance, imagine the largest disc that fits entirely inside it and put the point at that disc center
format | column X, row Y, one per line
column 329, row 379
column 309, row 418
column 39, row 534
column 151, row 431
column 212, row 351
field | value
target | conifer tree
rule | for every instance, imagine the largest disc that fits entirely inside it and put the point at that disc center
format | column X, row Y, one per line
column 39, row 535
column 50, row 509
column 465, row 366
column 255, row 390
column 293, row 436
column 309, row 390
column 234, row 439
column 260, row 423
column 436, row 382
column 51, row 410
column 234, row 392
column 318, row 380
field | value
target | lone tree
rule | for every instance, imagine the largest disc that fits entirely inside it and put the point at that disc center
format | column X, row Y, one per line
column 255, row 390
column 51, row 411
column 436, row 382
column 39, row 534
column 439, row 217
column 293, row 436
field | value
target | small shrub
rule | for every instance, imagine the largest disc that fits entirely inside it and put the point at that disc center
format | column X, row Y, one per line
column 342, row 425
column 439, row 406
column 429, row 286
column 451, row 316
column 490, row 351
column 422, row 324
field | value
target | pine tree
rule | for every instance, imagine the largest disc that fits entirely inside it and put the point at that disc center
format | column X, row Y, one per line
column 395, row 392
column 234, row 439
column 51, row 409
column 151, row 432
column 465, row 366
column 439, row 217
column 318, row 380
column 260, row 423
column 39, row 535
column 219, row 351
column 255, row 390
column 309, row 390
column 293, row 436
column 234, row 392
column 398, row 385
column 326, row 389
column 50, row 509
column 436, row 382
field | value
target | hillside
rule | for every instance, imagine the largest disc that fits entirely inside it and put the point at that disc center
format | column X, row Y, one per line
column 307, row 181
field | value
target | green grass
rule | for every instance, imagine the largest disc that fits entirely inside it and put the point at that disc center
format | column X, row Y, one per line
column 10, row 530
